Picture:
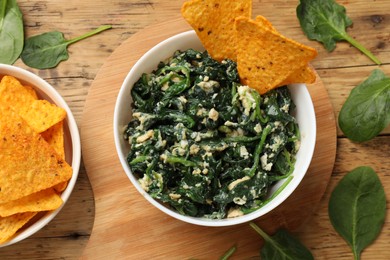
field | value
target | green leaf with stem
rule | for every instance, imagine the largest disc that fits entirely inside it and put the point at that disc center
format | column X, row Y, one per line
column 47, row 50
column 366, row 112
column 326, row 21
column 357, row 208
column 282, row 246
column 11, row 31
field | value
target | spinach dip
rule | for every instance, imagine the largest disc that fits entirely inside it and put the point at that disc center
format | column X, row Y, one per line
column 204, row 144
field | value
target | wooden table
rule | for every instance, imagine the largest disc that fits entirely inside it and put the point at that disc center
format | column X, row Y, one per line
column 66, row 237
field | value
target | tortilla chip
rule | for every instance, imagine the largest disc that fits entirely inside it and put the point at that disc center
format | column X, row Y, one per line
column 213, row 22
column 44, row 200
column 265, row 59
column 13, row 92
column 28, row 164
column 54, row 136
column 39, row 114
column 261, row 20
column 32, row 91
column 10, row 225
column 60, row 187
column 302, row 75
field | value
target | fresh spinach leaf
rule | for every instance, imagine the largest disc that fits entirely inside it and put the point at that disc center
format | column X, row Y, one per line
column 11, row 31
column 46, row 50
column 282, row 246
column 366, row 112
column 357, row 208
column 325, row 21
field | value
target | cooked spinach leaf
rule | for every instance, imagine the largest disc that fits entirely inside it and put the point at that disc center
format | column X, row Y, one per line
column 205, row 144
column 326, row 21
column 11, row 31
column 366, row 112
column 48, row 49
column 357, row 208
column 282, row 245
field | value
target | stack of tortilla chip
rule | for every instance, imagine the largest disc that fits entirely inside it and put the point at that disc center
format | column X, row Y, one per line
column 33, row 170
column 265, row 58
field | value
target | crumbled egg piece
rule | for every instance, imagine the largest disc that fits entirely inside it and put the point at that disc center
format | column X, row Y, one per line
column 145, row 182
column 196, row 171
column 174, row 196
column 183, row 99
column 258, row 128
column 208, row 85
column 244, row 152
column 234, row 212
column 201, row 111
column 246, row 98
column 213, row 114
column 266, row 166
column 234, row 183
column 240, row 201
column 142, row 138
column 194, row 149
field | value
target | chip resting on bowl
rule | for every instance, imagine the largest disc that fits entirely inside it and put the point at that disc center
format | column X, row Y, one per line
column 213, row 22
column 265, row 58
column 302, row 75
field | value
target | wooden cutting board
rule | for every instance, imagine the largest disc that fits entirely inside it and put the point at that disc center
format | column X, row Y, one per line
column 127, row 226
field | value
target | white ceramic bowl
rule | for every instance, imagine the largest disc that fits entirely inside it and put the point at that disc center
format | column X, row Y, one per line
column 71, row 142
column 147, row 63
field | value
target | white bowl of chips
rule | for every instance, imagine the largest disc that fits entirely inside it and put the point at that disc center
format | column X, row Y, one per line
column 279, row 192
column 42, row 141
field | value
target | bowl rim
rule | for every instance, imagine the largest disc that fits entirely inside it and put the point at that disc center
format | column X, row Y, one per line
column 75, row 160
column 276, row 201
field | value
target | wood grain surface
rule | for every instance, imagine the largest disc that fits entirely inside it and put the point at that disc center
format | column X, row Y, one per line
column 67, row 235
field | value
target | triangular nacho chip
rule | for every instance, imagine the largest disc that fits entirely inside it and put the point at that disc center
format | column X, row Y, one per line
column 302, row 75
column 54, row 136
column 31, row 90
column 60, row 187
column 39, row 114
column 13, row 92
column 213, row 22
column 10, row 225
column 44, row 200
column 265, row 59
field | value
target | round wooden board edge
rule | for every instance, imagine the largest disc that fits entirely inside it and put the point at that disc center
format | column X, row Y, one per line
column 170, row 28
